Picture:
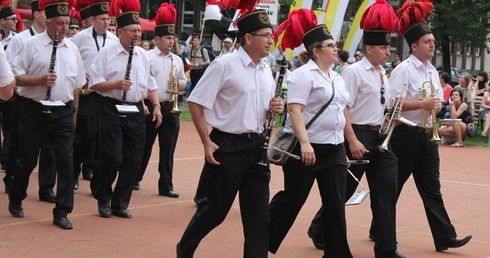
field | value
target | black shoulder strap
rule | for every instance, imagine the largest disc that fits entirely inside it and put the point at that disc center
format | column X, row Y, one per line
column 322, row 109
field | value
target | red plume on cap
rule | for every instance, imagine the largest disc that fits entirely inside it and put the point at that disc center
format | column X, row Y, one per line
column 380, row 16
column 299, row 22
column 4, row 3
column 245, row 6
column 20, row 24
column 121, row 6
column 413, row 12
column 74, row 13
column 43, row 3
column 166, row 14
column 82, row 4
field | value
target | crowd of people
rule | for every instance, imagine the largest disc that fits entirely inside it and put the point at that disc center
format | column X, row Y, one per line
column 91, row 97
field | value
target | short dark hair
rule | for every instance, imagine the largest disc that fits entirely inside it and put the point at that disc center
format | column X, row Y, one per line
column 459, row 91
column 446, row 77
column 343, row 55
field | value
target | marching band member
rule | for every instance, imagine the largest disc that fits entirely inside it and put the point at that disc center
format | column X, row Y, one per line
column 321, row 147
column 47, row 166
column 367, row 85
column 417, row 154
column 37, row 121
column 121, row 74
column 163, row 65
column 234, row 97
column 90, row 41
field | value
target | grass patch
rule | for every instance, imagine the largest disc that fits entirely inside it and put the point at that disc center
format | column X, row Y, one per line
column 185, row 115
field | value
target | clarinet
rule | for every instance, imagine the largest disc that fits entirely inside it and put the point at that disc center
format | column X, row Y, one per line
column 52, row 61
column 128, row 67
column 272, row 115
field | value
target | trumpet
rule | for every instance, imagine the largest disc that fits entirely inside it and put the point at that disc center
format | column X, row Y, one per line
column 173, row 90
column 394, row 110
column 430, row 115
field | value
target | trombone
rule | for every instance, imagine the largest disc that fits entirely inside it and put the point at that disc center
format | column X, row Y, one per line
column 430, row 115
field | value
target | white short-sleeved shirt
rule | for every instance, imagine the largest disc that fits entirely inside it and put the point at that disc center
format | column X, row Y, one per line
column 17, row 42
column 411, row 76
column 6, row 75
column 110, row 65
column 34, row 58
column 363, row 82
column 310, row 87
column 160, row 67
column 6, row 41
column 235, row 93
column 87, row 45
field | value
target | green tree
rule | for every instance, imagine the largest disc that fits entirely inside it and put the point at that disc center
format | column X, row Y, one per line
column 460, row 21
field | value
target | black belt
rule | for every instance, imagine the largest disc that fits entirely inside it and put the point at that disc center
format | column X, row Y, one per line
column 166, row 102
column 120, row 102
column 240, row 135
column 374, row 128
column 417, row 129
column 422, row 129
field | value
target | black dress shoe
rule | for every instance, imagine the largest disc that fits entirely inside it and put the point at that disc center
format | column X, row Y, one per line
column 136, row 186
column 104, row 209
column 171, row 194
column 88, row 175
column 7, row 188
column 76, row 185
column 62, row 222
column 452, row 243
column 372, row 237
column 47, row 197
column 16, row 210
column 316, row 242
column 123, row 213
column 391, row 254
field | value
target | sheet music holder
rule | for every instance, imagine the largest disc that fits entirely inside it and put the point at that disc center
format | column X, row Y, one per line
column 52, row 103
column 125, row 109
column 358, row 197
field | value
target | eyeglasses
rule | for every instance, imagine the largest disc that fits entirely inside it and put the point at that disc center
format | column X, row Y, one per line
column 11, row 19
column 73, row 28
column 266, row 36
column 133, row 31
column 332, row 45
column 382, row 99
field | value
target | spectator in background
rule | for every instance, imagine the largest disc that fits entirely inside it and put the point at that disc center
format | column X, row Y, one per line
column 481, row 81
column 484, row 113
column 145, row 44
column 358, row 56
column 459, row 110
column 445, row 78
column 396, row 62
column 343, row 57
column 228, row 44
column 469, row 90
column 271, row 61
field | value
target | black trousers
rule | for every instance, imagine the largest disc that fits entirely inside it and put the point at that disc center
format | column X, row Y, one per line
column 7, row 124
column 168, row 133
column 331, row 174
column 419, row 157
column 195, row 75
column 34, row 128
column 238, row 172
column 47, row 167
column 382, row 176
column 121, row 141
column 86, row 134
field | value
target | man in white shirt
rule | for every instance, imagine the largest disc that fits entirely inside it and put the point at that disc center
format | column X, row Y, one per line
column 45, row 71
column 7, row 80
column 89, row 42
column 236, row 107
column 8, row 21
column 47, row 166
column 416, row 147
column 123, row 85
column 164, row 63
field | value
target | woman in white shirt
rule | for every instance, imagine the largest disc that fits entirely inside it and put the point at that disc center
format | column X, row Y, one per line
column 321, row 146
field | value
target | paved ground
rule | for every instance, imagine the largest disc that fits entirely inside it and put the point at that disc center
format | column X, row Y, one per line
column 158, row 222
